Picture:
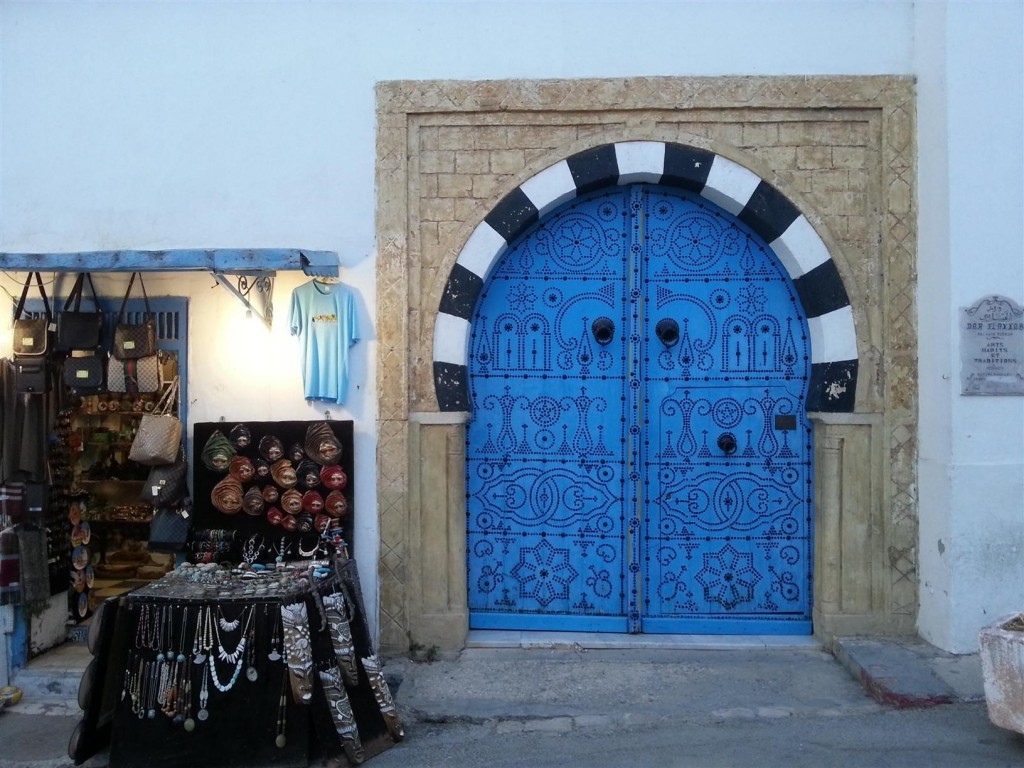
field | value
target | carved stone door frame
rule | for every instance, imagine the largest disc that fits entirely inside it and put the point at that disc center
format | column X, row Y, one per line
column 451, row 155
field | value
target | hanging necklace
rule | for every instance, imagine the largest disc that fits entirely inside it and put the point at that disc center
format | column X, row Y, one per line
column 188, row 723
column 204, row 635
column 235, row 655
column 250, row 657
column 142, row 628
column 181, row 642
column 204, row 696
column 229, row 626
column 236, row 658
column 275, row 639
column 197, row 638
column 282, row 702
column 154, row 679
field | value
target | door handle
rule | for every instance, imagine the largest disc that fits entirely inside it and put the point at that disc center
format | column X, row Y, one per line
column 667, row 331
column 604, row 330
column 727, row 443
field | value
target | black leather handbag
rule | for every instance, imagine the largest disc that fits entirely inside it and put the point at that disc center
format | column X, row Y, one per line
column 86, row 375
column 77, row 329
column 134, row 340
column 167, row 483
column 169, row 530
column 32, row 335
column 32, row 375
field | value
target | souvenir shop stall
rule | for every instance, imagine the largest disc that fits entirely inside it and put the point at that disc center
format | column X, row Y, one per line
column 86, row 377
column 257, row 650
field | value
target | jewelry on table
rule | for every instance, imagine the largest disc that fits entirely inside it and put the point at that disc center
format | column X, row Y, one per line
column 251, row 550
column 282, row 550
column 311, row 553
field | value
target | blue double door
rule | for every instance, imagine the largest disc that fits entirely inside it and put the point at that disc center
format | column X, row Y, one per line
column 639, row 457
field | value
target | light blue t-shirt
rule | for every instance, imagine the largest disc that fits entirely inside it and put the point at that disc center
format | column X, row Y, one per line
column 323, row 316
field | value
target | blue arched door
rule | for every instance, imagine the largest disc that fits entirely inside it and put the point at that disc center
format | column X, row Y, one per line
column 639, row 457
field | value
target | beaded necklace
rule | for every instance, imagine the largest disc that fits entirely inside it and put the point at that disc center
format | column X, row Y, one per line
column 236, row 657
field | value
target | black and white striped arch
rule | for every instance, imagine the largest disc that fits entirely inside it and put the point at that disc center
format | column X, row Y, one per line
column 718, row 179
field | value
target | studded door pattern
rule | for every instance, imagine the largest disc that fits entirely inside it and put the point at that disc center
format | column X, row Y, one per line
column 599, row 497
column 726, row 443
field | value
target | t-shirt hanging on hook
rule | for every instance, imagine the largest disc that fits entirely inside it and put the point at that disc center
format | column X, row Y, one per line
column 323, row 316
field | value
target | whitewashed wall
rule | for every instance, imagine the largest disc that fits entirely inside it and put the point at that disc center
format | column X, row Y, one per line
column 971, row 84
column 161, row 125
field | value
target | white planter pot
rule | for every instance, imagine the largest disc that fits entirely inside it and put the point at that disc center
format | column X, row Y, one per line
column 1002, row 664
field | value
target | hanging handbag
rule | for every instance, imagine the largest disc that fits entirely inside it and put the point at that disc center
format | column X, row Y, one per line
column 86, row 375
column 32, row 335
column 132, row 341
column 77, row 329
column 167, row 484
column 32, row 375
column 159, row 435
column 168, row 532
column 134, row 377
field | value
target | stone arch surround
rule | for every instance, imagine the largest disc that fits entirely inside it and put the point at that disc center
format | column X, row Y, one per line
column 840, row 148
column 730, row 185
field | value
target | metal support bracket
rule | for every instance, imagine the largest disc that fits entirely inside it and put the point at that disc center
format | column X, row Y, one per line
column 254, row 289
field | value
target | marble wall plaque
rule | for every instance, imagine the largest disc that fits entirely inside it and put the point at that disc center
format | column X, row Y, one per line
column 992, row 347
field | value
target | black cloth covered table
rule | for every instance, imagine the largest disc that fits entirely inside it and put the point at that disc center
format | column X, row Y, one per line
column 216, row 667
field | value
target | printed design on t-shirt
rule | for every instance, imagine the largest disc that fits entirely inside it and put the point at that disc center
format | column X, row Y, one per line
column 325, row 318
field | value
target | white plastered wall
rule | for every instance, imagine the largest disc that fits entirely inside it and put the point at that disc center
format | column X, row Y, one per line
column 970, row 64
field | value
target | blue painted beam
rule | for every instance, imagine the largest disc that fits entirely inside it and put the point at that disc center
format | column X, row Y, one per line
column 245, row 260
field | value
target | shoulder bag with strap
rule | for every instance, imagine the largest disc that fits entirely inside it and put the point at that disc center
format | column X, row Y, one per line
column 132, row 341
column 78, row 330
column 159, row 436
column 32, row 334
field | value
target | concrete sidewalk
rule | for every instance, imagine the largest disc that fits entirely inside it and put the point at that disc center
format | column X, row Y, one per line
column 557, row 683
column 563, row 681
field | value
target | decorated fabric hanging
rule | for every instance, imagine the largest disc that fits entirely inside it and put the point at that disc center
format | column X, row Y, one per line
column 322, row 446
column 253, row 502
column 240, row 435
column 334, row 477
column 291, row 502
column 309, row 474
column 271, row 448
column 227, row 496
column 242, row 469
column 217, row 453
column 284, row 473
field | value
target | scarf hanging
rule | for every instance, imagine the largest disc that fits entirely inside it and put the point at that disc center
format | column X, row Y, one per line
column 10, row 567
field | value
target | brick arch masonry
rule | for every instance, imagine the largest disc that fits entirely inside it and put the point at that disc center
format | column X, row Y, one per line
column 718, row 179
